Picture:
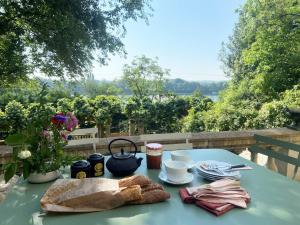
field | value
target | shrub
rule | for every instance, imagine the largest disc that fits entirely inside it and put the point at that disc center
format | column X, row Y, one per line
column 273, row 114
column 40, row 114
column 4, row 126
column 64, row 105
column 193, row 122
column 226, row 117
column 84, row 112
column 15, row 116
column 292, row 97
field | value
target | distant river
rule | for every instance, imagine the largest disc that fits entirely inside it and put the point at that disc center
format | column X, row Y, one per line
column 213, row 97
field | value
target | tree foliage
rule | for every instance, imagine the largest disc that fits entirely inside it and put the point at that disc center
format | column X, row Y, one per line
column 93, row 88
column 62, row 38
column 265, row 46
column 262, row 59
column 145, row 77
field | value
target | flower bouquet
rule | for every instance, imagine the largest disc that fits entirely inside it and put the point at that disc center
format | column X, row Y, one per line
column 39, row 148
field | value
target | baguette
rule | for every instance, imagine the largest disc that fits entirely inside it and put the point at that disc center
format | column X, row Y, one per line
column 151, row 187
column 134, row 180
column 152, row 196
column 131, row 193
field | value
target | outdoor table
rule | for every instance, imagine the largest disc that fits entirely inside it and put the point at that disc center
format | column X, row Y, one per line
column 275, row 199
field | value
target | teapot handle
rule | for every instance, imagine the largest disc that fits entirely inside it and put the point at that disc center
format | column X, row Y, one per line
column 121, row 139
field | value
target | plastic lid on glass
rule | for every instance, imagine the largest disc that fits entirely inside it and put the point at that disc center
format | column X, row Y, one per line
column 154, row 146
column 81, row 164
column 95, row 156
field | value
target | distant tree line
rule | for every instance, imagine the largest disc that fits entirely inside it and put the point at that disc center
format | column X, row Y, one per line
column 91, row 87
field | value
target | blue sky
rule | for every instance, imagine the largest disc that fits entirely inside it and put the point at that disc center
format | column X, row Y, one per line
column 185, row 35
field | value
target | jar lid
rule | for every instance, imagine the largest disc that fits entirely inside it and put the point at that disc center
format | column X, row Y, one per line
column 95, row 156
column 81, row 164
column 122, row 155
column 154, row 146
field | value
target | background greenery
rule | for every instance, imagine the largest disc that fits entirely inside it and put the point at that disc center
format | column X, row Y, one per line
column 261, row 58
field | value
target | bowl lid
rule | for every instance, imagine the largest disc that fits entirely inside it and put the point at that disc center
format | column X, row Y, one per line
column 81, row 164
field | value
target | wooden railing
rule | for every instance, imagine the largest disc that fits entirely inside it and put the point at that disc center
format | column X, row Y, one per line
column 235, row 141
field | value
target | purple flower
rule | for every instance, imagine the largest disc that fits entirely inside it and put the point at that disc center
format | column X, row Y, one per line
column 58, row 119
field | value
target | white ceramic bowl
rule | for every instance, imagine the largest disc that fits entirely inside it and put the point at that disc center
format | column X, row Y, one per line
column 37, row 178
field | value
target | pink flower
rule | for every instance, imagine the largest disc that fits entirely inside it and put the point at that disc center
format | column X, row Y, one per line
column 63, row 136
column 46, row 134
column 71, row 121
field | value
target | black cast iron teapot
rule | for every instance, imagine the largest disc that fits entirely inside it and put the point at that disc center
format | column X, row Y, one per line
column 122, row 163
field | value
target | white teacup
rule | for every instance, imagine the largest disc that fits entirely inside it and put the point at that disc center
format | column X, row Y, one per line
column 176, row 170
column 181, row 156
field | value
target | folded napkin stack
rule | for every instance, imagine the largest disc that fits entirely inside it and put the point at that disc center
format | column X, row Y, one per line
column 217, row 197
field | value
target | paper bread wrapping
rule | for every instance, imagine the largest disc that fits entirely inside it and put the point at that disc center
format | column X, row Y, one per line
column 99, row 194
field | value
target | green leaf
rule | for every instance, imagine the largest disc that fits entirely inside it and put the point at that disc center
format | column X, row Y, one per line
column 15, row 139
column 26, row 169
column 10, row 170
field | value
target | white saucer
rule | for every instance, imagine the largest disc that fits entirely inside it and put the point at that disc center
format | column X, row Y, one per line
column 163, row 176
column 190, row 164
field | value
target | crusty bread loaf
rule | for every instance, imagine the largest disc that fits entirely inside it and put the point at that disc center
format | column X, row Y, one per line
column 131, row 193
column 52, row 195
column 151, row 187
column 152, row 196
column 99, row 194
column 150, row 192
column 134, row 180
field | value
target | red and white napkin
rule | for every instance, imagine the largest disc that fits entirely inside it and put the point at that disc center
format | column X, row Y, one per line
column 217, row 197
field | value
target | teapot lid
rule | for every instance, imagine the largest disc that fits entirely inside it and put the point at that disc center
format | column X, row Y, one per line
column 122, row 155
column 81, row 164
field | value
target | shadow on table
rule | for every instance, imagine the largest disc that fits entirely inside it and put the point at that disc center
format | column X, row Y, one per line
column 137, row 214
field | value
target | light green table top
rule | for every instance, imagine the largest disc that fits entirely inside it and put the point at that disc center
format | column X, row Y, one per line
column 275, row 199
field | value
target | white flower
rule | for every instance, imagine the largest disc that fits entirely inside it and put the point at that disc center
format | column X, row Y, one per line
column 24, row 154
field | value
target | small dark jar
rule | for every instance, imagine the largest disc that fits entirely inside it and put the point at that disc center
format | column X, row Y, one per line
column 97, row 165
column 80, row 169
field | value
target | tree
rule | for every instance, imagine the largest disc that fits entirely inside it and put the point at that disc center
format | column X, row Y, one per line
column 262, row 59
column 106, row 109
column 139, row 112
column 62, row 38
column 93, row 88
column 145, row 78
column 264, row 49
column 58, row 90
column 21, row 91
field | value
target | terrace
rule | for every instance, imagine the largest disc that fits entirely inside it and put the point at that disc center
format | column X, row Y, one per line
column 204, row 129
